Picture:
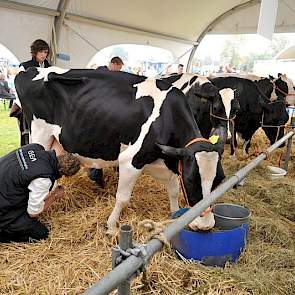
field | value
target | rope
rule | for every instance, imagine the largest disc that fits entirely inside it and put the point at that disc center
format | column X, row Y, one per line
column 138, row 250
column 156, row 230
column 66, row 24
column 197, row 139
column 229, row 120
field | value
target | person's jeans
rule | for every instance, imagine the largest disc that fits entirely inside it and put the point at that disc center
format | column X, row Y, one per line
column 24, row 229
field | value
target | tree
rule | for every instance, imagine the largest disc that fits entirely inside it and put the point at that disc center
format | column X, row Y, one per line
column 231, row 53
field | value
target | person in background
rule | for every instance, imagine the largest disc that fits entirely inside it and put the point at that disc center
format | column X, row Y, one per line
column 115, row 65
column 40, row 52
column 180, row 69
column 5, row 91
column 27, row 176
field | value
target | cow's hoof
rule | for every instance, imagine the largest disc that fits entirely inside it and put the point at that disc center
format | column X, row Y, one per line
column 111, row 232
column 203, row 223
column 97, row 176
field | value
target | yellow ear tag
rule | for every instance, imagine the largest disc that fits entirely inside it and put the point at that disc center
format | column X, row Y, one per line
column 214, row 139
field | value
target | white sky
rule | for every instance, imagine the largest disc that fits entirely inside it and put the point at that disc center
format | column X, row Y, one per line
column 5, row 53
column 212, row 44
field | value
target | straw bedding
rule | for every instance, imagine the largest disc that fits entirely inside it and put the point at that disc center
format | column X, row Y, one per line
column 78, row 253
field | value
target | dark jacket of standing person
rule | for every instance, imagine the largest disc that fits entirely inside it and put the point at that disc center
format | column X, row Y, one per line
column 39, row 51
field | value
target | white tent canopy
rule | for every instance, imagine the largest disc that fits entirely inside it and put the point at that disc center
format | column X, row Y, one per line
column 80, row 28
column 287, row 53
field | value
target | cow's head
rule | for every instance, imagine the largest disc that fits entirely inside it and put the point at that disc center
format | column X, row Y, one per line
column 201, row 172
column 223, row 105
column 274, row 118
column 290, row 94
column 224, row 102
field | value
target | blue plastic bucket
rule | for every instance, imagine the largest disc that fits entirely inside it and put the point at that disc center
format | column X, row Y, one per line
column 210, row 248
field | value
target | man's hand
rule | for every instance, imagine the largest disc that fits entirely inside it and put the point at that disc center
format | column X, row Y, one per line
column 58, row 193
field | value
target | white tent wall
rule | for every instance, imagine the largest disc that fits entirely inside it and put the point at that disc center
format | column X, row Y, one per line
column 20, row 29
column 51, row 4
column 169, row 24
column 245, row 21
column 182, row 19
column 97, row 38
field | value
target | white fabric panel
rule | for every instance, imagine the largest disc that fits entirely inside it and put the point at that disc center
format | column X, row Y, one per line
column 52, row 4
column 24, row 28
column 246, row 20
column 81, row 52
column 288, row 53
column 267, row 18
column 184, row 19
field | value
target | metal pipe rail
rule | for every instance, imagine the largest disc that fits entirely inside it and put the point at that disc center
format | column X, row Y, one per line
column 133, row 263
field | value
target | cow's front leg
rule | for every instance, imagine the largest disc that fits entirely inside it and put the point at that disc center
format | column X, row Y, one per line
column 127, row 178
column 160, row 172
column 173, row 190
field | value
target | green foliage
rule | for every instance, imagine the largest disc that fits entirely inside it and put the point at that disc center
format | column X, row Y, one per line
column 9, row 136
column 233, row 48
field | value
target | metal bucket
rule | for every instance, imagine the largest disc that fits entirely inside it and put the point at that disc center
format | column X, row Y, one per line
column 229, row 216
column 276, row 172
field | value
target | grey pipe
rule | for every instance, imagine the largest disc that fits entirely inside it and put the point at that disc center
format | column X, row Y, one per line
column 128, row 267
column 125, row 242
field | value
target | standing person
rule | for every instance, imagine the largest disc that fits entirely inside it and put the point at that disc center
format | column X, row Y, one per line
column 5, row 91
column 39, row 51
column 115, row 65
column 180, row 69
column 27, row 176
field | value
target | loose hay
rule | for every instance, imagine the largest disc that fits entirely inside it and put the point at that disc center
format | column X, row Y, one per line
column 78, row 253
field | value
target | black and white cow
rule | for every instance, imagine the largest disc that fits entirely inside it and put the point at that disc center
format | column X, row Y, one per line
column 262, row 104
column 93, row 114
column 211, row 107
column 290, row 94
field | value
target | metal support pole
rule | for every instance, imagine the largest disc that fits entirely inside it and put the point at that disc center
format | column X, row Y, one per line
column 288, row 152
column 125, row 243
column 130, row 265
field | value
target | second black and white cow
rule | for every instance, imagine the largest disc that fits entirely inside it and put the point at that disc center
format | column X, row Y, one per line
column 93, row 114
column 262, row 104
column 212, row 108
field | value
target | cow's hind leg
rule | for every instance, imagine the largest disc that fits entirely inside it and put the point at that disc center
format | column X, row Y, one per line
column 246, row 147
column 233, row 145
column 127, row 178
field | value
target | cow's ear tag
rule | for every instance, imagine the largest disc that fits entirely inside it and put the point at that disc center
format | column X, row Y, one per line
column 214, row 139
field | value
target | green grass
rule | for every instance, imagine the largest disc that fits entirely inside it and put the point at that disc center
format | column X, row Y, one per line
column 9, row 135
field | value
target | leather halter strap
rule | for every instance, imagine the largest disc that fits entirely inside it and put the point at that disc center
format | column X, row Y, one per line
column 180, row 168
column 199, row 139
